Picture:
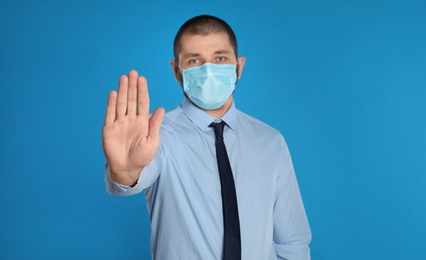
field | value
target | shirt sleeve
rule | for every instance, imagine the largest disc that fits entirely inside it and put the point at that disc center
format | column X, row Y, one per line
column 147, row 177
column 292, row 233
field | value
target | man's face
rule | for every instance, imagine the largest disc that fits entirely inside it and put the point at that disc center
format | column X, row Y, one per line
column 199, row 49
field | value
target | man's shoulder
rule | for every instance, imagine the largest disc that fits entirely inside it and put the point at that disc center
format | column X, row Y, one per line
column 171, row 117
column 175, row 121
column 255, row 123
column 172, row 114
column 258, row 129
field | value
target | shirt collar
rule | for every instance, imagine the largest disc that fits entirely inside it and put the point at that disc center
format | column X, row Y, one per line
column 202, row 119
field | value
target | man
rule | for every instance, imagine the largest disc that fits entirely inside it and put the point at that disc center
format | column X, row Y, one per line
column 200, row 208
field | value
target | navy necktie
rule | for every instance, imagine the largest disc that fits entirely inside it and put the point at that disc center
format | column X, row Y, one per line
column 232, row 239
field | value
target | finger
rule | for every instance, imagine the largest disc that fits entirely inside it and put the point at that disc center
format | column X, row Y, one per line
column 132, row 93
column 121, row 106
column 110, row 110
column 155, row 123
column 143, row 98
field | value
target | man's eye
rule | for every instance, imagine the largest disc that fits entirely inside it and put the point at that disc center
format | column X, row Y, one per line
column 195, row 61
column 221, row 59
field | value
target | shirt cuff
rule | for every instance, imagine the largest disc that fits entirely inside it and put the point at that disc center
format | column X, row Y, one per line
column 118, row 189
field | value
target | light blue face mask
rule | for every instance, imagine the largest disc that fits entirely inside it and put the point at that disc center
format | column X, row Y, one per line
column 210, row 85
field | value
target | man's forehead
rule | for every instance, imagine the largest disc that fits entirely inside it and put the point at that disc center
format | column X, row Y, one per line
column 217, row 42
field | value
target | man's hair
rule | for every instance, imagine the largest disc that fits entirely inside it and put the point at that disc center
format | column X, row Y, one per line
column 204, row 25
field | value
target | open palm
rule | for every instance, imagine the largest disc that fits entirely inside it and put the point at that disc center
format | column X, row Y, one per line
column 130, row 137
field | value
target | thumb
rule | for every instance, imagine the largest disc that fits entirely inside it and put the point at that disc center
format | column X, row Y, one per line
column 155, row 123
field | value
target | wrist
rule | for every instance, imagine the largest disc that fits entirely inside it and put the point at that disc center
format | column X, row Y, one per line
column 128, row 178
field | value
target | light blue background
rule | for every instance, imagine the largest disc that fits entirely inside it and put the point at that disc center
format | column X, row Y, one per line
column 344, row 81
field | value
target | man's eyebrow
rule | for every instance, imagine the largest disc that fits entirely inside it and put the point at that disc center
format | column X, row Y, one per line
column 191, row 55
column 222, row 52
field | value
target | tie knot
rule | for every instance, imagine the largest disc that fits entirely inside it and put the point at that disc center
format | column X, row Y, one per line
column 218, row 128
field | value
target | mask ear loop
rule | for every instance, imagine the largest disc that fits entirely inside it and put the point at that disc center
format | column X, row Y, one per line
column 236, row 72
column 182, row 70
column 180, row 75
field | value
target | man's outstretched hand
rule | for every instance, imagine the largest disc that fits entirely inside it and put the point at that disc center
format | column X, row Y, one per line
column 130, row 137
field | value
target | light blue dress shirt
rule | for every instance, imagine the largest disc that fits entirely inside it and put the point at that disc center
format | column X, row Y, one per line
column 183, row 191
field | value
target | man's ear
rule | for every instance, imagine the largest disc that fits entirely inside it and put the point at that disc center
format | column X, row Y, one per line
column 240, row 66
column 176, row 71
